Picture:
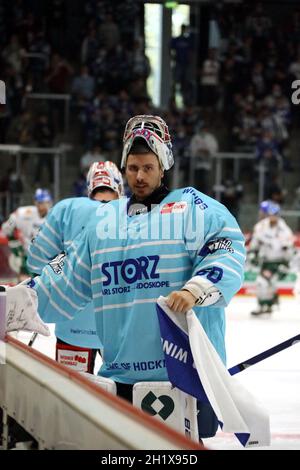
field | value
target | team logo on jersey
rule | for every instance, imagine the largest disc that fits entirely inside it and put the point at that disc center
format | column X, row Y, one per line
column 130, row 270
column 174, row 207
column 214, row 245
column 57, row 263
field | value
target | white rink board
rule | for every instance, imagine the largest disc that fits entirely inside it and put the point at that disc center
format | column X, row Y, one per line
column 275, row 381
column 62, row 409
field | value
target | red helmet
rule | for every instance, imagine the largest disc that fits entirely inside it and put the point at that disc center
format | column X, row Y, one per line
column 104, row 174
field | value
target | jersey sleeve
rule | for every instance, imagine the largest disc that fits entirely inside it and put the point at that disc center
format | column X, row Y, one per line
column 62, row 295
column 49, row 241
column 255, row 238
column 290, row 238
column 10, row 225
column 220, row 256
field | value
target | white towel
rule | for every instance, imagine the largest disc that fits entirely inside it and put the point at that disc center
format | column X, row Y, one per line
column 235, row 407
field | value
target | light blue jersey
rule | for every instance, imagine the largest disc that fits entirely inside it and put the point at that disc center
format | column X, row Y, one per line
column 65, row 221
column 125, row 263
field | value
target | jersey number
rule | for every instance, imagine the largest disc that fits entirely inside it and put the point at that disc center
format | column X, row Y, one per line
column 213, row 274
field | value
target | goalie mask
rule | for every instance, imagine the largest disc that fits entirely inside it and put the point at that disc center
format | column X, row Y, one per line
column 155, row 132
column 104, row 175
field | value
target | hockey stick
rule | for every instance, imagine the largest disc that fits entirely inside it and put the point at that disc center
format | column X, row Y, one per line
column 32, row 339
column 263, row 355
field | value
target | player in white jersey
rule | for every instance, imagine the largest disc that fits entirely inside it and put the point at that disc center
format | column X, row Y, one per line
column 77, row 341
column 295, row 267
column 271, row 247
column 22, row 226
column 127, row 257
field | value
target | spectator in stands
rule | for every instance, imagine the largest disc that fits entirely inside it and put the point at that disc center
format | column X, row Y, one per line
column 91, row 156
column 267, row 149
column 181, row 143
column 59, row 74
column 268, row 155
column 294, row 68
column 266, row 120
column 259, row 25
column 294, row 28
column 99, row 67
column 275, row 192
column 13, row 54
column 110, row 130
column 57, row 79
column 124, row 105
column 272, row 61
column 251, row 76
column 14, row 86
column 209, row 81
column 38, row 55
column 57, row 20
column 202, row 147
column 83, row 87
column 258, row 79
column 44, row 136
column 231, row 194
column 89, row 47
column 28, row 27
column 140, row 65
column 229, row 80
column 109, row 33
column 118, row 70
column 245, row 129
column 182, row 53
column 11, row 187
column 21, row 131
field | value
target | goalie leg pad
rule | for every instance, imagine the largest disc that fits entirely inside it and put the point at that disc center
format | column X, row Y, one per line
column 107, row 384
column 168, row 404
column 207, row 420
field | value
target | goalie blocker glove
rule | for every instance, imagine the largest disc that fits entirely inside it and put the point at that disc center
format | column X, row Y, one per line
column 205, row 292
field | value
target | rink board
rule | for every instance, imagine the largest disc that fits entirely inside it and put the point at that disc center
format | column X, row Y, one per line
column 285, row 286
column 62, row 409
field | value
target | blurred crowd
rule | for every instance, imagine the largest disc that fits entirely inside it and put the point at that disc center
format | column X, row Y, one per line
column 241, row 89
